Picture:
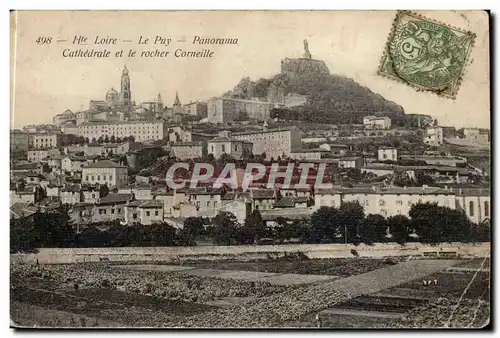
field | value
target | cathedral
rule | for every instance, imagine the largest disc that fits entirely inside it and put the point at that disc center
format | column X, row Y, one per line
column 115, row 101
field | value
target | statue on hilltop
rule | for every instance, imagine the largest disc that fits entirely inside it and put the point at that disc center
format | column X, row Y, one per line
column 307, row 54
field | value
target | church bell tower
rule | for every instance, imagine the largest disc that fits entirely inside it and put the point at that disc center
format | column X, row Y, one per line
column 125, row 94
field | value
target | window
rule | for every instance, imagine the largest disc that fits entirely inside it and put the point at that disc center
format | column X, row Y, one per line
column 92, row 178
column 385, row 155
column 98, row 177
column 93, row 195
column 208, row 204
column 471, row 208
column 223, row 148
column 86, row 178
column 215, row 204
column 148, row 213
column 112, row 210
column 381, row 203
column 486, row 209
column 156, row 213
column 119, row 210
column 383, row 212
column 134, row 216
column 104, row 211
column 399, row 202
column 110, row 177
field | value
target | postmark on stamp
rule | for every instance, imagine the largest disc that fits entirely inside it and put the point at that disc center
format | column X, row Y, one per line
column 426, row 54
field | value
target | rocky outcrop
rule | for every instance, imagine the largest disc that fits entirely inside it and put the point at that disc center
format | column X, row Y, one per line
column 303, row 66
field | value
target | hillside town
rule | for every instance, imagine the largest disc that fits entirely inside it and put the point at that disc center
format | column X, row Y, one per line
column 108, row 163
column 284, row 183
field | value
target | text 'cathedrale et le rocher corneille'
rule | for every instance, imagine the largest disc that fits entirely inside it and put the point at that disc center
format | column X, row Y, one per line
column 151, row 53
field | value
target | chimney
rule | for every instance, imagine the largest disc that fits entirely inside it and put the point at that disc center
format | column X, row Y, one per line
column 225, row 133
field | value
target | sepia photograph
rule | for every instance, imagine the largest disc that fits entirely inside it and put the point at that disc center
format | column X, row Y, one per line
column 250, row 169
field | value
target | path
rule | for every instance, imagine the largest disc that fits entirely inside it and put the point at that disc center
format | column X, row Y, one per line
column 294, row 304
column 254, row 276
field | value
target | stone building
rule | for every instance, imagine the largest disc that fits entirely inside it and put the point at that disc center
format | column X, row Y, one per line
column 225, row 144
column 224, row 109
column 377, row 122
column 195, row 109
column 66, row 116
column 19, row 140
column 187, row 150
column 273, row 142
column 387, row 154
column 44, row 140
column 140, row 130
column 105, row 172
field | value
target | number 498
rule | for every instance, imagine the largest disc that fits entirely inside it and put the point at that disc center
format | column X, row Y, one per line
column 44, row 40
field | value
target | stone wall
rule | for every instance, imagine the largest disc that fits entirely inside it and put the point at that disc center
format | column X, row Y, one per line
column 74, row 255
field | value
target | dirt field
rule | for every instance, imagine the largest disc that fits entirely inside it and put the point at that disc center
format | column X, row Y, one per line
column 342, row 267
column 376, row 294
column 33, row 316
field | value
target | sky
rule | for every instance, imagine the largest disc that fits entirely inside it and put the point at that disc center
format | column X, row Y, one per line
column 351, row 43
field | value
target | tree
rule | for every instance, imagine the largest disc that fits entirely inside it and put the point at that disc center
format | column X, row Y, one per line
column 482, row 231
column 162, row 234
column 253, row 229
column 373, row 229
column 87, row 141
column 351, row 215
column 434, row 224
column 103, row 190
column 422, row 179
column 288, row 230
column 100, row 140
column 225, row 228
column 46, row 168
column 22, row 235
column 402, row 179
column 112, row 139
column 125, row 139
column 325, row 224
column 90, row 238
column 400, row 228
column 53, row 229
column 131, row 138
column 40, row 194
column 193, row 227
column 106, row 139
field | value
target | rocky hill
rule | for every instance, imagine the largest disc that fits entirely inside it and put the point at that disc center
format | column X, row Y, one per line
column 331, row 98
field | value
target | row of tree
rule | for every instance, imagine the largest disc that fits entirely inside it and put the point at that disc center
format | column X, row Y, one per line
column 428, row 223
column 103, row 139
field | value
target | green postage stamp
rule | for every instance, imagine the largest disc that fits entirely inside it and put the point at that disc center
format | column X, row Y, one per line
column 426, row 54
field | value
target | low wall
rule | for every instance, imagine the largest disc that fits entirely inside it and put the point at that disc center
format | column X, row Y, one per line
column 74, row 255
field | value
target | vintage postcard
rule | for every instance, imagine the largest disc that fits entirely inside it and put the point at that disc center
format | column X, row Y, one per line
column 250, row 169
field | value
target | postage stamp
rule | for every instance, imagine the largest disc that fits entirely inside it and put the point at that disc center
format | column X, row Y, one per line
column 426, row 54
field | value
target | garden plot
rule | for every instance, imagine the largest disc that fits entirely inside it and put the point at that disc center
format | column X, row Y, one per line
column 377, row 280
column 229, row 301
column 251, row 276
column 152, row 267
column 298, row 279
column 360, row 313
